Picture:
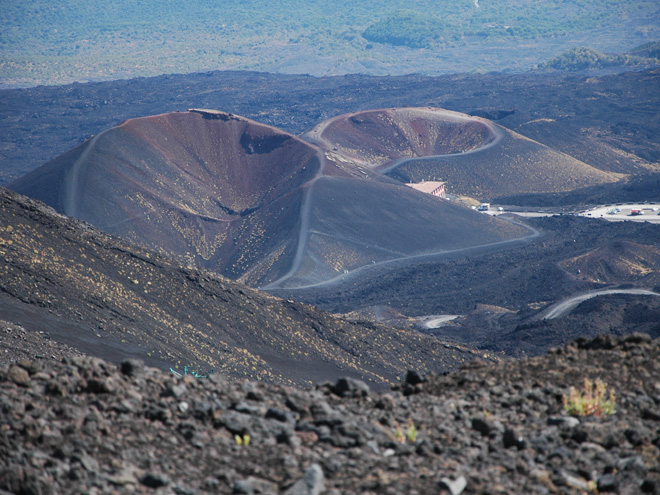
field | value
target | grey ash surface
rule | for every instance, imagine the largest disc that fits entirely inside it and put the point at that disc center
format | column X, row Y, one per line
column 85, row 426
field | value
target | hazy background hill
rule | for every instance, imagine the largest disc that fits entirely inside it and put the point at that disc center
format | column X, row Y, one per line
column 52, row 43
column 583, row 58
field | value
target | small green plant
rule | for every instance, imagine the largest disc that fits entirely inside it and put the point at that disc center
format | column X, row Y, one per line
column 410, row 434
column 398, row 434
column 242, row 440
column 592, row 401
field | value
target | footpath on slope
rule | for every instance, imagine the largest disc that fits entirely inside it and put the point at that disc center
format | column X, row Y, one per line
column 371, row 271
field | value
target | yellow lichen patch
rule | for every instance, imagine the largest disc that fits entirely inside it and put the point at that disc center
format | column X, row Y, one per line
column 204, row 247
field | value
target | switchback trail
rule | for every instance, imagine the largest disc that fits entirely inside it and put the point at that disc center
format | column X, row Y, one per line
column 375, row 270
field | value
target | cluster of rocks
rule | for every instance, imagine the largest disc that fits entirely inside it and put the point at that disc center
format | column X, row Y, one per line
column 86, row 426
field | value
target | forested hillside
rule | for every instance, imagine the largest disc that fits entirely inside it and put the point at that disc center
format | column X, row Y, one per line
column 71, row 40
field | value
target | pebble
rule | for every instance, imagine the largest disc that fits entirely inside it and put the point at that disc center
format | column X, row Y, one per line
column 455, row 487
column 312, row 482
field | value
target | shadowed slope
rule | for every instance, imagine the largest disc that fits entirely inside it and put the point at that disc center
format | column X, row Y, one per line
column 113, row 300
column 475, row 156
column 218, row 189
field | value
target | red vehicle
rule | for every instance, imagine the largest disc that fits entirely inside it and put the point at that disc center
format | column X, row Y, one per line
column 636, row 212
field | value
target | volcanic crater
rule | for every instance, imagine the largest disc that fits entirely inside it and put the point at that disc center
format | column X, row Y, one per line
column 260, row 205
column 380, row 137
column 476, row 157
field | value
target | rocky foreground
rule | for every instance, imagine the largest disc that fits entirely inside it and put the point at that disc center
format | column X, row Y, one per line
column 85, row 426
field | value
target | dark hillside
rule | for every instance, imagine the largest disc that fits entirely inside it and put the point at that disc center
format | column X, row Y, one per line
column 497, row 292
column 107, row 298
column 637, row 189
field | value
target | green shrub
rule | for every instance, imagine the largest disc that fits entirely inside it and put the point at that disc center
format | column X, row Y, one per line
column 592, row 401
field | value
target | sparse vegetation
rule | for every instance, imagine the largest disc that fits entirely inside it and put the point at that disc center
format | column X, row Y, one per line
column 97, row 40
column 189, row 315
column 242, row 440
column 409, row 435
column 593, row 400
column 584, row 58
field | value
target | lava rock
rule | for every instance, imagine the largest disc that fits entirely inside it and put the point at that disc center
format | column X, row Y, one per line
column 312, row 482
column 513, row 438
column 132, row 367
column 350, row 387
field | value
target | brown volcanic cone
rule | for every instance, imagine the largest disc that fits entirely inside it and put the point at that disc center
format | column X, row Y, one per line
column 618, row 262
column 218, row 189
column 474, row 156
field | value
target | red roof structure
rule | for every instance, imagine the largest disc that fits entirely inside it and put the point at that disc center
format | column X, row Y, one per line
column 430, row 187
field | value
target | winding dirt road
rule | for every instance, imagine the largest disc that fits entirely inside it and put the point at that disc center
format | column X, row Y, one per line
column 303, row 235
column 562, row 308
column 377, row 269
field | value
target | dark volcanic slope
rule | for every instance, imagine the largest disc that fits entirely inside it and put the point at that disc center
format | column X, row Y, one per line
column 619, row 262
column 501, row 293
column 243, row 199
column 83, row 426
column 109, row 299
column 474, row 156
